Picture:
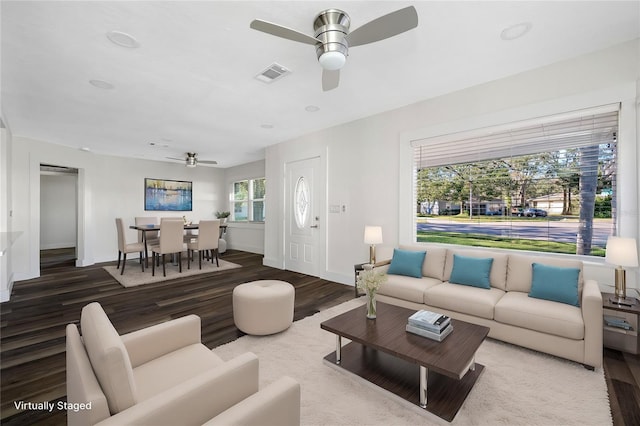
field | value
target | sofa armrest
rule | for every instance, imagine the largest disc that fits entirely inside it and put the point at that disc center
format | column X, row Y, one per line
column 382, row 266
column 161, row 339
column 198, row 400
column 592, row 316
column 82, row 384
column 275, row 405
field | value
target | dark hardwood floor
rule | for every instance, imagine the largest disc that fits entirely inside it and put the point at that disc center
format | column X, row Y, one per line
column 32, row 325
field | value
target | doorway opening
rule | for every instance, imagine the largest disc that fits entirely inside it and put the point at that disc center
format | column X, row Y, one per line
column 58, row 216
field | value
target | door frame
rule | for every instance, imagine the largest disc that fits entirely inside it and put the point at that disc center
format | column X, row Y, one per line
column 321, row 202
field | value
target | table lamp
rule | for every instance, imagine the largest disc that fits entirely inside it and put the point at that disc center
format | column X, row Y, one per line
column 622, row 252
column 372, row 236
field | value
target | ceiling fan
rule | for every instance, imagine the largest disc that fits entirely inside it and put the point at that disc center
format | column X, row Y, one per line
column 191, row 160
column 332, row 38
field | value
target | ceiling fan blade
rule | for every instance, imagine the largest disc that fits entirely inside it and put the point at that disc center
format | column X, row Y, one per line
column 207, row 162
column 284, row 32
column 383, row 27
column 330, row 79
column 174, row 158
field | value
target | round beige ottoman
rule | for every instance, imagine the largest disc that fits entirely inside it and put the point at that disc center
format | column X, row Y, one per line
column 263, row 307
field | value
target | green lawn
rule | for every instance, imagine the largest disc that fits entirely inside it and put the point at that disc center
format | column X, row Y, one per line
column 480, row 240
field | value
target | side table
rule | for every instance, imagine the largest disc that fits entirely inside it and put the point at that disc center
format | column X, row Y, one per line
column 356, row 270
column 619, row 338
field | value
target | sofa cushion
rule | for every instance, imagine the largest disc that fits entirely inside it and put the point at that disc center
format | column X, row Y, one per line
column 407, row 288
column 109, row 358
column 520, row 271
column 555, row 283
column 434, row 261
column 498, row 276
column 559, row 319
column 473, row 271
column 474, row 301
column 173, row 368
column 407, row 262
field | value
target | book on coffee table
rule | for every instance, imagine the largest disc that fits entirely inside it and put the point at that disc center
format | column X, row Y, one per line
column 430, row 334
column 431, row 321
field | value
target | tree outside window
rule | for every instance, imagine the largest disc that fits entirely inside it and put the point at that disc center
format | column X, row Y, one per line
column 241, row 200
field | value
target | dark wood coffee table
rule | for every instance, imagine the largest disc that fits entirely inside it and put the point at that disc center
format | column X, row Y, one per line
column 409, row 366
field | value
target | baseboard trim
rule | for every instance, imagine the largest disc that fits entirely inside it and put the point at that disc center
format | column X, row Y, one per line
column 272, row 262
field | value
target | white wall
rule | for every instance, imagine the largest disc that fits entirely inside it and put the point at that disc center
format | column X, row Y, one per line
column 368, row 172
column 243, row 235
column 6, row 234
column 58, row 210
column 108, row 187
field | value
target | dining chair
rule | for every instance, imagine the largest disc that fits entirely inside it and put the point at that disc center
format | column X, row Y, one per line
column 147, row 237
column 151, row 236
column 170, row 242
column 207, row 239
column 124, row 247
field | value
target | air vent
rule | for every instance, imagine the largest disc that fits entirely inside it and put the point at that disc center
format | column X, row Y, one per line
column 273, row 73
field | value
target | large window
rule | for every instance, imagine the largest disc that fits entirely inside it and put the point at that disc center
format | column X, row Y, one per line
column 548, row 185
column 248, row 200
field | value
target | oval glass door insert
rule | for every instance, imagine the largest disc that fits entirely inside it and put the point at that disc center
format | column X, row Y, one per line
column 301, row 203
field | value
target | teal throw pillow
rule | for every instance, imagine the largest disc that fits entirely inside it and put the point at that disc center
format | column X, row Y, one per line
column 555, row 283
column 473, row 271
column 407, row 262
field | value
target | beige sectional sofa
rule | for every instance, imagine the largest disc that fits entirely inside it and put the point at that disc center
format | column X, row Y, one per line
column 560, row 329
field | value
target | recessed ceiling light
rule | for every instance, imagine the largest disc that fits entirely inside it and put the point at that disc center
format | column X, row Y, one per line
column 101, row 84
column 123, row 39
column 516, row 31
column 267, row 126
column 85, row 149
column 312, row 108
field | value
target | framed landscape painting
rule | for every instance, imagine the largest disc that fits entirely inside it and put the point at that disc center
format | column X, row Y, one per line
column 167, row 195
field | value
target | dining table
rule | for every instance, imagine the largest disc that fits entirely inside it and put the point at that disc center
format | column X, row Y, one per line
column 152, row 227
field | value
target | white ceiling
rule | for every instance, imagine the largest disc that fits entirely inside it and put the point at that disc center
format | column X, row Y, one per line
column 190, row 85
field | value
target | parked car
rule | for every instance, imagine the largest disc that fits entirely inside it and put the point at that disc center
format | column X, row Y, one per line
column 517, row 212
column 535, row 213
column 494, row 213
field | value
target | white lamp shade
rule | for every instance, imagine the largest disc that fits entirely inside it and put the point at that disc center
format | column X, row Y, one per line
column 332, row 61
column 373, row 234
column 622, row 251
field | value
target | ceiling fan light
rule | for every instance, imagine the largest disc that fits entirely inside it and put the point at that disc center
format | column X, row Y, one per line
column 332, row 61
column 191, row 161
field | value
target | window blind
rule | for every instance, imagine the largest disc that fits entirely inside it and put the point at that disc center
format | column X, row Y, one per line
column 551, row 133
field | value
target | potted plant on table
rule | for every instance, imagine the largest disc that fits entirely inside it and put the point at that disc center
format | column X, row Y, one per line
column 222, row 216
column 370, row 281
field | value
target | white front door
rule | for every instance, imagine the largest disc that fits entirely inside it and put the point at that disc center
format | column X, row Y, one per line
column 302, row 220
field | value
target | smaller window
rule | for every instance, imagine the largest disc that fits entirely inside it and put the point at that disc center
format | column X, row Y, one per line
column 247, row 200
column 257, row 199
column 241, row 200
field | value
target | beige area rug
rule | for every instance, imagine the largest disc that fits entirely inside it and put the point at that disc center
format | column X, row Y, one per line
column 518, row 386
column 133, row 275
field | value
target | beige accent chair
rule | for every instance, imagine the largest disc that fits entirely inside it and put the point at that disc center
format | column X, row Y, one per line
column 207, row 239
column 164, row 375
column 124, row 247
column 171, row 242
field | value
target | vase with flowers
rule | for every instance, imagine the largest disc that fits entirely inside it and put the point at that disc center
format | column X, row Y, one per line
column 370, row 280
